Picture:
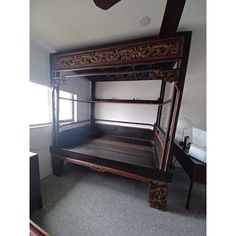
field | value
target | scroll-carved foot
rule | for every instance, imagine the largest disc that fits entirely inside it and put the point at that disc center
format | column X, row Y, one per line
column 157, row 196
column 57, row 166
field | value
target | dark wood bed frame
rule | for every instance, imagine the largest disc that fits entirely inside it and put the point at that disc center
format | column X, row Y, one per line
column 139, row 153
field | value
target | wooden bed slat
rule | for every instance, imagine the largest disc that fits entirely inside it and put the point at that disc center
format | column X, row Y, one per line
column 118, row 153
column 124, row 142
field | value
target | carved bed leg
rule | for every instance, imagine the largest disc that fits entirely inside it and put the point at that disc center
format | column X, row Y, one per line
column 57, row 166
column 157, row 196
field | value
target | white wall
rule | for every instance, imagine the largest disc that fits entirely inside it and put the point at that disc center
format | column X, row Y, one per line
column 39, row 64
column 193, row 104
column 194, row 98
column 41, row 137
column 40, row 141
column 127, row 90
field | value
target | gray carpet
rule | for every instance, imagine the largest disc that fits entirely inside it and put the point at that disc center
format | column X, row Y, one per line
column 87, row 203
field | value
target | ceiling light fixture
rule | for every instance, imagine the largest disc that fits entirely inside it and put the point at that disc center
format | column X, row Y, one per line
column 145, row 21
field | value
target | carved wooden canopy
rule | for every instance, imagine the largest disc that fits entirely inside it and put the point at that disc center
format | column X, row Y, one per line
column 123, row 61
column 132, row 53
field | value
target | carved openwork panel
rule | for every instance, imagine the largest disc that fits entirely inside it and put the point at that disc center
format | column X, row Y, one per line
column 166, row 75
column 120, row 55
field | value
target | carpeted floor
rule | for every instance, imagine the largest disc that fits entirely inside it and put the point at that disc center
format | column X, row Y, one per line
column 87, row 203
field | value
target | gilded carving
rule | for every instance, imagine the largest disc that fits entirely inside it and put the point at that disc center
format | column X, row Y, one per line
column 97, row 168
column 157, row 196
column 166, row 75
column 153, row 50
column 58, row 81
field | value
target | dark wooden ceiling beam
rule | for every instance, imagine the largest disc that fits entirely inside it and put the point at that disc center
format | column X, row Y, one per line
column 171, row 18
column 105, row 4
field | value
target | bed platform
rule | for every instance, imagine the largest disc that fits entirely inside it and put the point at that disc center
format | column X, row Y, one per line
column 128, row 149
column 101, row 151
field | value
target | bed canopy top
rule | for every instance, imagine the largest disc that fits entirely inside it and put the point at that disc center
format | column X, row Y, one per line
column 148, row 59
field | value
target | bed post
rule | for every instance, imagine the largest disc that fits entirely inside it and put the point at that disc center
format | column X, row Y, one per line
column 93, row 96
column 162, row 93
column 55, row 112
column 178, row 93
column 57, row 164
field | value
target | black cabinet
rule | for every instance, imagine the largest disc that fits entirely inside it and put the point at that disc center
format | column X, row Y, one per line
column 35, row 191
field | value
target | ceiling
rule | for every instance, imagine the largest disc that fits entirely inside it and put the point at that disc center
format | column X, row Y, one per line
column 67, row 24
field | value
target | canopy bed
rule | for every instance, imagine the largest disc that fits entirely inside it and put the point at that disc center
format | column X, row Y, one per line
column 142, row 152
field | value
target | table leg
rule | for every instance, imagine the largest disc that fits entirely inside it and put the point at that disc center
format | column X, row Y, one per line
column 189, row 194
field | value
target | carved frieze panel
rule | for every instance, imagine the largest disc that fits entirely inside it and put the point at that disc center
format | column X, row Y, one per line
column 120, row 55
column 166, row 75
column 97, row 168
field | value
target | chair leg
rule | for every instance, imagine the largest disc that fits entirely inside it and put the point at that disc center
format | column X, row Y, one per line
column 157, row 196
column 57, row 166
